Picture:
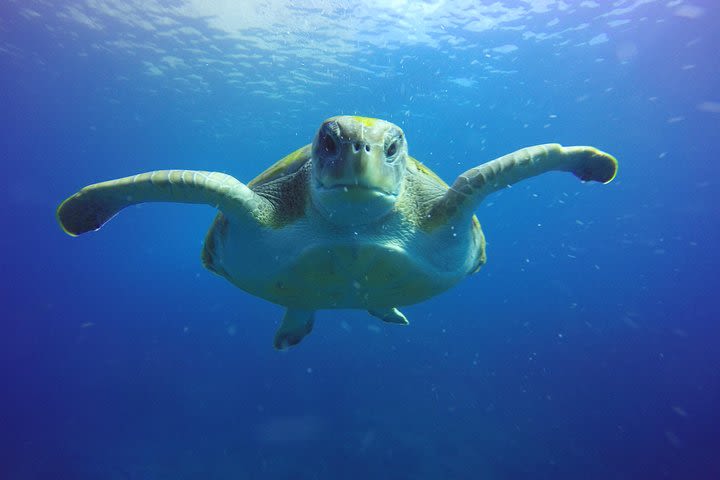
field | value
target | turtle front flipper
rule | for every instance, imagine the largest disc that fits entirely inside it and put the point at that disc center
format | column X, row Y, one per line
column 296, row 324
column 470, row 188
column 389, row 315
column 94, row 205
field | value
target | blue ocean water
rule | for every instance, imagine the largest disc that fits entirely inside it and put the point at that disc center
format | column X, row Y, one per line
column 587, row 347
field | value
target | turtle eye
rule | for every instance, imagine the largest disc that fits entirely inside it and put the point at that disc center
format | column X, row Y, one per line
column 391, row 150
column 327, row 144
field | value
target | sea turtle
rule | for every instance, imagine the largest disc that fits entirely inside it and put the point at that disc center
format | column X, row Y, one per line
column 349, row 221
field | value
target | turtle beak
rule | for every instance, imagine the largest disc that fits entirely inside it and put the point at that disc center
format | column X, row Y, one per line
column 359, row 164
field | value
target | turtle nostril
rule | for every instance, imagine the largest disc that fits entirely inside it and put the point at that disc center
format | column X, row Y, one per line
column 356, row 147
column 367, row 148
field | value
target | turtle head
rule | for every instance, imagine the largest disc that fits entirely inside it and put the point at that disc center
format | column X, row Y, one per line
column 358, row 169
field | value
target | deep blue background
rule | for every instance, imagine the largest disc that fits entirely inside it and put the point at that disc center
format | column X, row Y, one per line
column 588, row 346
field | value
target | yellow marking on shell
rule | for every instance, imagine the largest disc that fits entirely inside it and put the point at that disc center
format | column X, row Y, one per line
column 426, row 171
column 368, row 122
column 283, row 166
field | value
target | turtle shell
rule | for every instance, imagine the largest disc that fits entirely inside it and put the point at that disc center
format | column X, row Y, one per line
column 285, row 166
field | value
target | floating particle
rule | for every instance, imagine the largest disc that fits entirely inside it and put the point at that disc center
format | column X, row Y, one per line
column 630, row 322
column 598, row 39
column 672, row 439
column 689, row 11
column 680, row 411
column 711, row 107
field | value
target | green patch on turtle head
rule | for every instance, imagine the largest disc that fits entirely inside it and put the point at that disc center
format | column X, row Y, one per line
column 366, row 121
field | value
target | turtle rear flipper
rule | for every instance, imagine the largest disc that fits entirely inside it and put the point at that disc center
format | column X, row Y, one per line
column 90, row 208
column 296, row 324
column 389, row 315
